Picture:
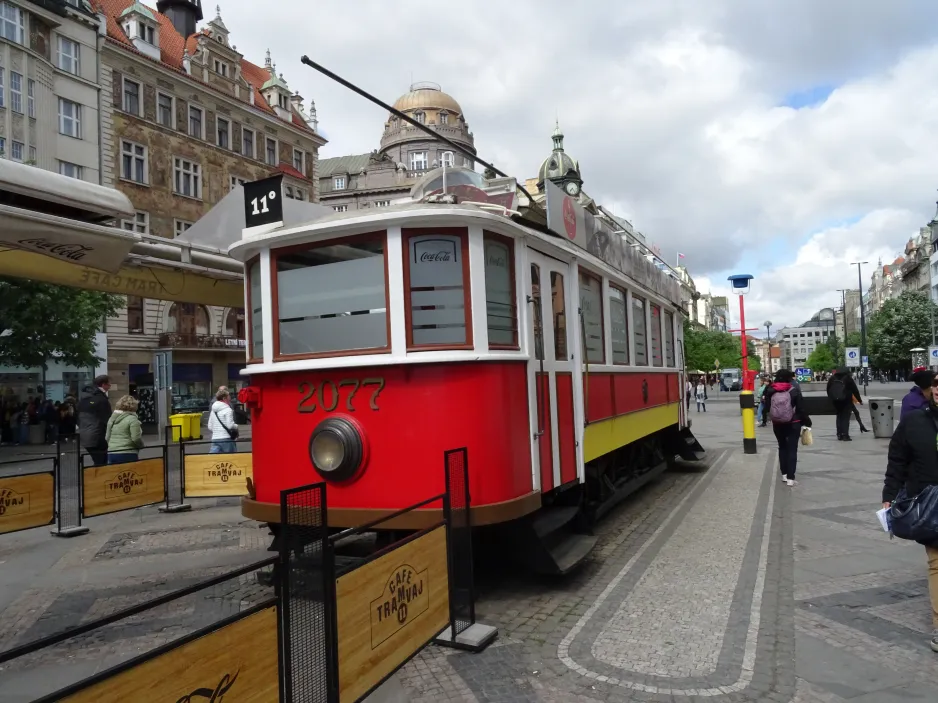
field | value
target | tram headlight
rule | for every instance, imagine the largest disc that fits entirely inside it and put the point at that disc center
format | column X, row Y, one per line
column 336, row 449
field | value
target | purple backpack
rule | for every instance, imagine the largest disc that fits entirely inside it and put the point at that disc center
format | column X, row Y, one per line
column 781, row 410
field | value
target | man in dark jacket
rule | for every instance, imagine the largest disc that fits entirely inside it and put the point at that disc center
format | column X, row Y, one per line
column 921, row 394
column 94, row 411
column 842, row 389
column 913, row 465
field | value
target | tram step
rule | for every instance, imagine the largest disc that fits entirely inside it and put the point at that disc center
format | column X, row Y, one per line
column 567, row 553
column 549, row 520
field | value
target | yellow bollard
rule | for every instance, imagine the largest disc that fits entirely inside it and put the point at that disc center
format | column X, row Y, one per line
column 747, row 401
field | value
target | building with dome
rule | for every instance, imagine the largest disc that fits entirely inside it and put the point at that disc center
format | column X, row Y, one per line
column 404, row 154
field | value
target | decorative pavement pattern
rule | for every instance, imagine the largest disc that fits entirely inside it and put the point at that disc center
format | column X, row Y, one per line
column 713, row 584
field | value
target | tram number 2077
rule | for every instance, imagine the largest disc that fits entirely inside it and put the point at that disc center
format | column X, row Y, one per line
column 329, row 394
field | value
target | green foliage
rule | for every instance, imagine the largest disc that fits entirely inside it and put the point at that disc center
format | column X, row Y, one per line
column 854, row 339
column 702, row 347
column 822, row 358
column 902, row 324
column 42, row 322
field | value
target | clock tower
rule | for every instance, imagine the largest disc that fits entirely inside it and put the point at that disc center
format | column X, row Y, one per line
column 560, row 168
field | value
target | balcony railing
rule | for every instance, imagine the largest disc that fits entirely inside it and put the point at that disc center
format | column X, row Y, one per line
column 179, row 340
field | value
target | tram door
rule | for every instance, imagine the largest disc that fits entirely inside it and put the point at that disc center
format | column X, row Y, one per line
column 551, row 370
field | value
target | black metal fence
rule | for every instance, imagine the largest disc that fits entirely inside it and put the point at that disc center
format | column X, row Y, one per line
column 69, row 475
column 307, row 597
column 459, row 540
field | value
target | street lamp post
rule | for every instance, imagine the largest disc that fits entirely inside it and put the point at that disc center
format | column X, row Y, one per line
column 843, row 294
column 747, row 400
column 863, row 351
column 768, row 346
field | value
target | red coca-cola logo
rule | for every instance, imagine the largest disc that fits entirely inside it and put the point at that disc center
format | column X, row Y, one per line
column 569, row 218
column 432, row 256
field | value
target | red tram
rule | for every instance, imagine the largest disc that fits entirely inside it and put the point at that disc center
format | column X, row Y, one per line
column 381, row 338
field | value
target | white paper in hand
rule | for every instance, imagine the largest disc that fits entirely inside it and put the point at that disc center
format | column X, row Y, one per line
column 883, row 516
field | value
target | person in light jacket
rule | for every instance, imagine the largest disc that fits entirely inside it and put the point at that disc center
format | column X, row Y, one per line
column 221, row 424
column 124, row 434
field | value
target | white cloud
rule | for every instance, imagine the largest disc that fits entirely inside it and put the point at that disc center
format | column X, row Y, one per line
column 671, row 108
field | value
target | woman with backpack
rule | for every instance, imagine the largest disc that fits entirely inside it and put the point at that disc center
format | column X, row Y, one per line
column 785, row 406
column 842, row 389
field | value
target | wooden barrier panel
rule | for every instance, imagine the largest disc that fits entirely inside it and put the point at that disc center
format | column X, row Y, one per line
column 388, row 609
column 26, row 501
column 108, row 489
column 235, row 663
column 218, row 475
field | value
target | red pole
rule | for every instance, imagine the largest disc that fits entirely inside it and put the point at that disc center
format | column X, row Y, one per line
column 748, row 385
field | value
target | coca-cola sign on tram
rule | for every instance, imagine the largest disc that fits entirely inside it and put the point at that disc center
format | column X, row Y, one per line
column 436, row 251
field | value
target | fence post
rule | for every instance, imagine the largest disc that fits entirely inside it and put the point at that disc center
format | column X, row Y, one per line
column 174, row 468
column 69, row 470
column 463, row 632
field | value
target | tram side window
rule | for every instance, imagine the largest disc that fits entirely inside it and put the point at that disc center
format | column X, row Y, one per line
column 559, row 307
column 257, row 317
column 656, row 357
column 669, row 339
column 538, row 311
column 332, row 297
column 591, row 307
column 619, row 324
column 437, row 290
column 639, row 334
column 501, row 313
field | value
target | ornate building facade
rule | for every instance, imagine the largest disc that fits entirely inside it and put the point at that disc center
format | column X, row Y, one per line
column 405, row 153
column 186, row 118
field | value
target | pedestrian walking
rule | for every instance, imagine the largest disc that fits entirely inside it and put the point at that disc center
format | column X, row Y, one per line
column 221, row 424
column 94, row 411
column 701, row 396
column 912, row 465
column 688, row 391
column 786, row 411
column 761, row 415
column 920, row 395
column 124, row 434
column 842, row 389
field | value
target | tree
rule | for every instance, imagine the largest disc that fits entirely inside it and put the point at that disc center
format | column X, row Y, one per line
column 41, row 322
column 821, row 359
column 703, row 347
column 902, row 324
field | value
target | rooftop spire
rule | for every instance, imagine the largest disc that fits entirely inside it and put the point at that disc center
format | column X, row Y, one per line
column 267, row 60
column 557, row 136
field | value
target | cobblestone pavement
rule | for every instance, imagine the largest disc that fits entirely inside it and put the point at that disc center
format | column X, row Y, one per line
column 716, row 585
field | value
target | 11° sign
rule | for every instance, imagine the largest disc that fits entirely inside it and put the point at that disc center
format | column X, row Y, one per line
column 263, row 201
column 853, row 357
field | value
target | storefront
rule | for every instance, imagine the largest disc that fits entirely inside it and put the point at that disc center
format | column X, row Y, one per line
column 20, row 385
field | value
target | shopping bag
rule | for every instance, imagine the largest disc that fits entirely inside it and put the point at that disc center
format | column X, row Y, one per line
column 807, row 439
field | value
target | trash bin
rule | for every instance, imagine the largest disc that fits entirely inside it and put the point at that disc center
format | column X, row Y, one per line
column 882, row 416
column 181, row 421
column 195, row 425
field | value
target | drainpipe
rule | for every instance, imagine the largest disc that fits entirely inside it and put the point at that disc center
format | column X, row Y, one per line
column 101, row 34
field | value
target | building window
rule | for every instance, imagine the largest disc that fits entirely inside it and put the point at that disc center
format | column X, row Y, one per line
column 195, row 122
column 657, row 359
column 234, row 182
column 444, row 118
column 131, row 97
column 32, row 155
column 69, row 53
column 591, row 307
column 421, row 117
column 69, row 118
column 288, row 191
column 165, row 114
column 146, row 32
column 299, row 193
column 382, row 203
column 340, row 208
column 140, row 223
column 134, row 313
column 223, row 129
column 500, row 309
column 221, row 68
column 559, row 312
column 3, row 146
column 446, row 159
column 134, row 165
column 187, row 178
column 299, row 160
column 247, row 142
column 188, row 319
column 256, row 308
column 332, row 297
column 234, row 323
column 16, row 151
column 180, row 226
column 418, row 161
column 16, row 91
column 338, row 183
column 619, row 326
column 31, row 97
column 12, row 23
column 70, row 170
column 639, row 334
column 436, row 283
column 272, row 152
column 669, row 339
column 2, row 89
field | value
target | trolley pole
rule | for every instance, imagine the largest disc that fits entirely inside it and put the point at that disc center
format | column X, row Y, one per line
column 747, row 399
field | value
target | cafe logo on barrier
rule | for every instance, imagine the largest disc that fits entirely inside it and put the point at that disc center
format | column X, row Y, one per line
column 124, row 484
column 224, row 471
column 13, row 503
column 212, row 695
column 405, row 596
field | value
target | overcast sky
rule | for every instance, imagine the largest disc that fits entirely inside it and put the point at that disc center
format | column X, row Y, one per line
column 781, row 139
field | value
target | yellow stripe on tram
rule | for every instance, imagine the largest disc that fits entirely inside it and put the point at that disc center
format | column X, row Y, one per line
column 606, row 435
